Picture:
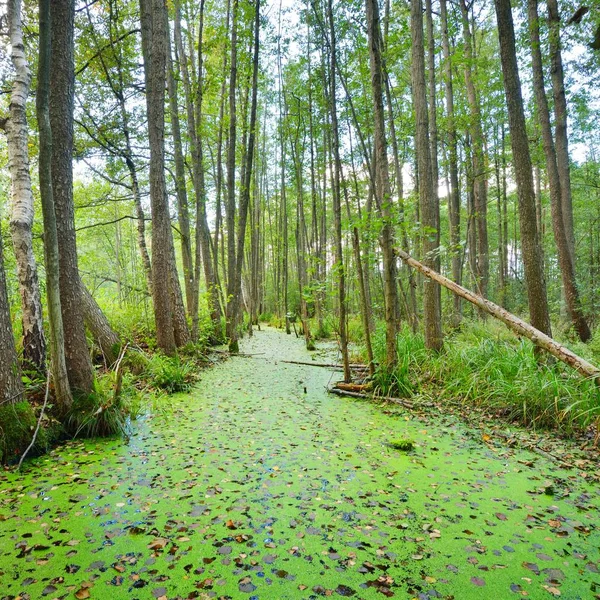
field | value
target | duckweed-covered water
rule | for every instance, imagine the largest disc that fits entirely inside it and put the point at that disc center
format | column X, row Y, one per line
column 260, row 485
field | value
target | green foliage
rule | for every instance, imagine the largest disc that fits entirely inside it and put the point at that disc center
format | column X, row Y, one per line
column 393, row 382
column 169, row 374
column 17, row 425
column 104, row 412
column 355, row 329
column 486, row 366
column 134, row 323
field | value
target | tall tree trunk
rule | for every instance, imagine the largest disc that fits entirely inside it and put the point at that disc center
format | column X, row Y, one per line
column 301, row 244
column 383, row 192
column 183, row 214
column 231, row 205
column 479, row 162
column 336, row 189
column 454, row 194
column 560, row 119
column 153, row 24
column 61, row 101
column 204, row 252
column 531, row 251
column 11, row 386
column 558, row 223
column 431, row 295
column 62, row 390
column 22, row 212
column 246, row 185
column 203, row 237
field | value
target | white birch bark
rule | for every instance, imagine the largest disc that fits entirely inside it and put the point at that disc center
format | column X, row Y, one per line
column 21, row 220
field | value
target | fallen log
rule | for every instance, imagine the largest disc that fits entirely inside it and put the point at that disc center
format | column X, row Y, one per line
column 340, row 392
column 515, row 324
column 325, row 365
column 354, row 387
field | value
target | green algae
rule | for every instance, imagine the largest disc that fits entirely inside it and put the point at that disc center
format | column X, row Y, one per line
column 251, row 488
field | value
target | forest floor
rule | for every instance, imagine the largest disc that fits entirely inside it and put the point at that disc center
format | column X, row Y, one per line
column 260, row 485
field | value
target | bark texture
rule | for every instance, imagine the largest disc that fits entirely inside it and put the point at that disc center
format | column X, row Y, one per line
column 22, row 212
column 479, row 173
column 560, row 116
column 154, row 49
column 11, row 386
column 78, row 361
column 383, row 191
column 62, row 390
column 431, row 296
column 454, row 194
column 557, row 203
column 531, row 251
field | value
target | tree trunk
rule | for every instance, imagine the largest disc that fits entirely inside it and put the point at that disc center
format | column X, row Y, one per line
column 532, row 255
column 11, row 386
column 183, row 214
column 556, row 205
column 22, row 211
column 539, row 338
column 246, row 185
column 383, row 192
column 431, row 296
column 203, row 237
column 479, row 162
column 204, row 252
column 78, row 361
column 339, row 269
column 231, row 207
column 454, row 194
column 153, row 24
column 62, row 390
column 561, row 130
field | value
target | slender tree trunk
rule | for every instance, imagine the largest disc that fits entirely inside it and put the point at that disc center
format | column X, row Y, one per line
column 383, row 192
column 532, row 255
column 61, row 101
column 454, row 194
column 431, row 296
column 558, row 223
column 203, row 237
column 336, row 189
column 301, row 245
column 11, row 386
column 246, row 185
column 560, row 119
column 501, row 241
column 153, row 22
column 62, row 390
column 22, row 212
column 231, row 207
column 180, row 189
column 479, row 162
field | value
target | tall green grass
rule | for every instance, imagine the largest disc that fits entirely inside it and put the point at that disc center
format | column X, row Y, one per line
column 486, row 366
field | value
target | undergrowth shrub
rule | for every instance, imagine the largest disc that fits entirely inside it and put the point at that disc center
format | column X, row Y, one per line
column 170, row 374
column 105, row 411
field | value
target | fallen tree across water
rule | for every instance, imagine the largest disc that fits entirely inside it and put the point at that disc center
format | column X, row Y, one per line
column 515, row 324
